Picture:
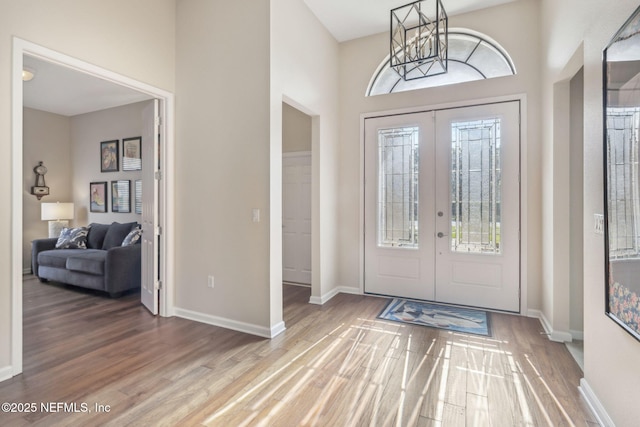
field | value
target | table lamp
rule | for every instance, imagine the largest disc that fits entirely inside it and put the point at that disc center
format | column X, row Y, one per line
column 58, row 215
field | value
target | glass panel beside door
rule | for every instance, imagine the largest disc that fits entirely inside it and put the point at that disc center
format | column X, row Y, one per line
column 398, row 168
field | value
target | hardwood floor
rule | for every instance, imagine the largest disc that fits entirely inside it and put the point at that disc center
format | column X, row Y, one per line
column 335, row 365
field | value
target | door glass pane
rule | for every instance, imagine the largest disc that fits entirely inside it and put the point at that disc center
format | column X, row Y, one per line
column 398, row 187
column 623, row 127
column 475, row 186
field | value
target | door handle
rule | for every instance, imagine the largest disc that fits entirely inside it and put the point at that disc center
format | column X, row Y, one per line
column 441, row 235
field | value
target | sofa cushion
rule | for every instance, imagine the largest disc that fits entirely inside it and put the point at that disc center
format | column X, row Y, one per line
column 95, row 238
column 56, row 257
column 87, row 262
column 72, row 238
column 133, row 237
column 116, row 234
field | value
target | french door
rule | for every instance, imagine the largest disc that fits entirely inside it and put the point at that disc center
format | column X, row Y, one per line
column 442, row 206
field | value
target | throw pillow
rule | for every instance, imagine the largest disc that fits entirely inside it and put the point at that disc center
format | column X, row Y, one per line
column 133, row 237
column 96, row 235
column 72, row 238
column 116, row 234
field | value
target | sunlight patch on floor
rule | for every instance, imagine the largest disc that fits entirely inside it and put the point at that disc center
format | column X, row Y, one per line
column 392, row 364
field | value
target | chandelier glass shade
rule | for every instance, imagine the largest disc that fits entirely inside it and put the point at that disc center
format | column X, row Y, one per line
column 419, row 39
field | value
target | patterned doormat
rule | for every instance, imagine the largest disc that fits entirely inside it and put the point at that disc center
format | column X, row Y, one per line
column 456, row 319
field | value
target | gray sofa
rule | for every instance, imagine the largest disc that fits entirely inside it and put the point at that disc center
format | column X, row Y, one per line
column 104, row 265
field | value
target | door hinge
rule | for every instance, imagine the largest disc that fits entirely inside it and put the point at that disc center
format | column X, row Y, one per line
column 158, row 231
column 157, row 175
column 158, row 285
column 158, row 121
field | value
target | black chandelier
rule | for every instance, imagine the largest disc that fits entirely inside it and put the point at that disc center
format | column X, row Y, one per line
column 419, row 39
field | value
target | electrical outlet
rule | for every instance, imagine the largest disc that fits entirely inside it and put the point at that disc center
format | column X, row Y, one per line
column 210, row 282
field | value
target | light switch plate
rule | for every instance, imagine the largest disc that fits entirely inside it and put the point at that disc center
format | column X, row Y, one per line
column 598, row 223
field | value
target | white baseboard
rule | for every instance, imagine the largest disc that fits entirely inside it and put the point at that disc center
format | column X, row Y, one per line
column 324, row 298
column 234, row 325
column 557, row 336
column 594, row 404
column 6, row 373
column 26, row 271
column 350, row 290
column 332, row 293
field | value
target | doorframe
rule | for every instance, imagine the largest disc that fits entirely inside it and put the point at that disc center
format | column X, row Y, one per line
column 167, row 185
column 524, row 193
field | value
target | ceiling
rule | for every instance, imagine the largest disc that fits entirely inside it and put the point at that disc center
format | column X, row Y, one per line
column 61, row 90
column 352, row 19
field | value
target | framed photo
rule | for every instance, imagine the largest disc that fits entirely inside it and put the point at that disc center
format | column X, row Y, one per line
column 138, row 196
column 131, row 154
column 98, row 197
column 109, row 156
column 121, row 196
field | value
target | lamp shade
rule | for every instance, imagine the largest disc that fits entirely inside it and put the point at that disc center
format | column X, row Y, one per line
column 56, row 211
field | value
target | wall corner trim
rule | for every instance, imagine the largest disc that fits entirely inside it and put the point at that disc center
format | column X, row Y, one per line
column 599, row 412
column 332, row 293
column 277, row 329
column 556, row 336
column 6, row 372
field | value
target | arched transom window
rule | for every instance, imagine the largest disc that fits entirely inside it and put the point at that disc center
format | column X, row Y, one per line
column 472, row 56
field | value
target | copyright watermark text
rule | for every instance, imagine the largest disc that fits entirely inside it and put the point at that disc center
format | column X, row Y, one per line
column 51, row 407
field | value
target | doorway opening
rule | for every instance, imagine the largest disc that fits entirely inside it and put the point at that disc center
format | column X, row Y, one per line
column 163, row 201
column 296, row 196
column 297, row 136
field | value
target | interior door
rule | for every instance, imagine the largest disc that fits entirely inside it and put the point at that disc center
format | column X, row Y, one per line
column 296, row 217
column 478, row 206
column 150, row 199
column 442, row 206
column 399, row 194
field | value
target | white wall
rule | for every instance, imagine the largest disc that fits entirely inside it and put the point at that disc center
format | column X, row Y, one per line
column 87, row 131
column 296, row 130
column 136, row 39
column 222, row 161
column 611, row 355
column 46, row 138
column 304, row 73
column 515, row 27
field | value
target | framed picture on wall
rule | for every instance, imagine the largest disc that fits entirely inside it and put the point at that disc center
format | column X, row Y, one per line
column 109, row 156
column 138, row 196
column 98, row 197
column 131, row 154
column 121, row 196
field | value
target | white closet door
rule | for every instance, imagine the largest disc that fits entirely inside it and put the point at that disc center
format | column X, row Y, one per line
column 296, row 217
